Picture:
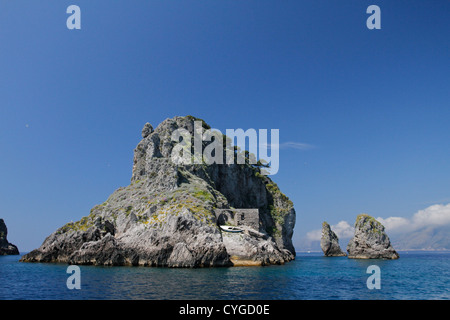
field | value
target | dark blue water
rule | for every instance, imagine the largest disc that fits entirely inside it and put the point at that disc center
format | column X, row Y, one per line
column 416, row 275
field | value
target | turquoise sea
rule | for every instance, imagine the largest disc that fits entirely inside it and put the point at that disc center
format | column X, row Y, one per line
column 416, row 275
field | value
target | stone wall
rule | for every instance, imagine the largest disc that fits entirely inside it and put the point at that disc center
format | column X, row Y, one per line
column 238, row 217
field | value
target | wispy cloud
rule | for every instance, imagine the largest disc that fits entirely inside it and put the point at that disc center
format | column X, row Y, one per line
column 296, row 145
column 314, row 235
column 342, row 229
column 435, row 215
column 292, row 145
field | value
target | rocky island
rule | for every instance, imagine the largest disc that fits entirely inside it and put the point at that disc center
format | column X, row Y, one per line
column 174, row 215
column 329, row 242
column 370, row 240
column 6, row 248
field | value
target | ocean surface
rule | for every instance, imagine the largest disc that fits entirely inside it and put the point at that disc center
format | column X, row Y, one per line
column 416, row 275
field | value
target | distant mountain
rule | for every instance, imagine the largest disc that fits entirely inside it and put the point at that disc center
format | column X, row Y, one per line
column 427, row 238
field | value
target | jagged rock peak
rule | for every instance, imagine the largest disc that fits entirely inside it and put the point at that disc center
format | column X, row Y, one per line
column 330, row 242
column 147, row 130
column 370, row 240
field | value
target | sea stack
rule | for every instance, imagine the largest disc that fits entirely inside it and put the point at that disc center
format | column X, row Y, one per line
column 6, row 248
column 370, row 240
column 330, row 242
column 174, row 215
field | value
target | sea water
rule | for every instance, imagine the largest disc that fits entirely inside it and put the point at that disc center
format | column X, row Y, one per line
column 416, row 275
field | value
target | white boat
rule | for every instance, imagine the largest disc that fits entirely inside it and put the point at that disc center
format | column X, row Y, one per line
column 231, row 229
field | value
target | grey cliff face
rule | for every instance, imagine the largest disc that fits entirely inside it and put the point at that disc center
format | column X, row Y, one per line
column 370, row 240
column 330, row 242
column 167, row 215
column 6, row 248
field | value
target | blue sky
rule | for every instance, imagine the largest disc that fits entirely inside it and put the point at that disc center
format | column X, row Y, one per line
column 373, row 103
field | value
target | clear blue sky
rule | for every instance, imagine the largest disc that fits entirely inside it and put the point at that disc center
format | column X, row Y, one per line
column 375, row 104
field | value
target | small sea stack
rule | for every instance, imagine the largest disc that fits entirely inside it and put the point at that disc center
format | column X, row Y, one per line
column 330, row 242
column 370, row 240
column 6, row 248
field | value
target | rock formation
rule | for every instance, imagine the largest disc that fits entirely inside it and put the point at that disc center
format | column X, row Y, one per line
column 6, row 248
column 330, row 242
column 370, row 241
column 166, row 216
